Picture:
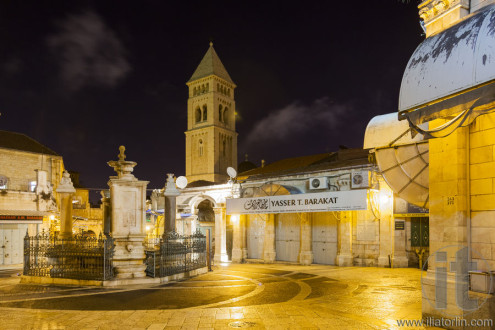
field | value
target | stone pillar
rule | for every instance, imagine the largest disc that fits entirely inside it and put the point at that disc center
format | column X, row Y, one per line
column 66, row 190
column 448, row 218
column 170, row 212
column 399, row 259
column 306, row 247
column 128, row 220
column 238, row 241
column 269, row 242
column 386, row 226
column 220, row 235
column 344, row 239
column 244, row 223
column 107, row 212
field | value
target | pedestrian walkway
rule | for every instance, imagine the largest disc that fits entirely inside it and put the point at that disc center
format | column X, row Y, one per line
column 250, row 296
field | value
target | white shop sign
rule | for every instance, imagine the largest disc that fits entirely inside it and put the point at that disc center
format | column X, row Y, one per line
column 317, row 202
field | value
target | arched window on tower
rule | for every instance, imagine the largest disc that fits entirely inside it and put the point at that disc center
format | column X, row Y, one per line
column 218, row 87
column 201, row 148
column 225, row 115
column 198, row 115
column 220, row 113
column 224, row 147
column 207, row 87
column 205, row 113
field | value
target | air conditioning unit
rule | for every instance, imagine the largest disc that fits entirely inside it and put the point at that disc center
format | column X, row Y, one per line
column 318, row 183
column 360, row 179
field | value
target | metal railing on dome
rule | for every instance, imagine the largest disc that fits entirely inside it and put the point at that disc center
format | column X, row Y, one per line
column 175, row 254
column 78, row 257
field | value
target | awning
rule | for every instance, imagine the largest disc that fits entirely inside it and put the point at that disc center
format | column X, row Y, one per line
column 402, row 157
column 451, row 70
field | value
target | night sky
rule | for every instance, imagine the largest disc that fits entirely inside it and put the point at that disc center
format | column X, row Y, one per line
column 85, row 77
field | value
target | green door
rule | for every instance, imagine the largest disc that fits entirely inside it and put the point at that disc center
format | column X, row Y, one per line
column 420, row 232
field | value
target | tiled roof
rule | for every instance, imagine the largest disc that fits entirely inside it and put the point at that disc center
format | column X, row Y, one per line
column 211, row 64
column 18, row 141
column 307, row 164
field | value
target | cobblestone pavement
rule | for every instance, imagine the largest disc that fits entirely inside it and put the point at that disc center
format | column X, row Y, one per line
column 251, row 296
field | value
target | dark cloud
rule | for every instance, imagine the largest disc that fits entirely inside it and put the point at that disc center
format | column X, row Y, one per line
column 297, row 118
column 89, row 52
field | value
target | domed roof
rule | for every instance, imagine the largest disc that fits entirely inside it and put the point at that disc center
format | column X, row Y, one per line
column 445, row 64
column 246, row 165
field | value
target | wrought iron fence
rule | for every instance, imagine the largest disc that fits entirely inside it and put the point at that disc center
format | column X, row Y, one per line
column 175, row 254
column 78, row 257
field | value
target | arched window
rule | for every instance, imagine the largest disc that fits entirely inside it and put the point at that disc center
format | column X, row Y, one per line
column 218, row 87
column 202, row 88
column 201, row 149
column 225, row 115
column 198, row 115
column 224, row 147
column 207, row 87
column 228, row 92
column 194, row 91
column 205, row 113
column 220, row 112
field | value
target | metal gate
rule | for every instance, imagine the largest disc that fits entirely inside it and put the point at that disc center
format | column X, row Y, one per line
column 324, row 238
column 12, row 243
column 287, row 236
column 255, row 236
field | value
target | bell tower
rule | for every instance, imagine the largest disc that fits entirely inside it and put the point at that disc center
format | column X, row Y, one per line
column 211, row 139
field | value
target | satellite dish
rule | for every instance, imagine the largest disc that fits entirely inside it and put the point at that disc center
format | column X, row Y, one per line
column 231, row 172
column 181, row 182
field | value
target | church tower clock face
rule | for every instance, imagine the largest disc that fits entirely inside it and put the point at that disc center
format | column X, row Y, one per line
column 211, row 139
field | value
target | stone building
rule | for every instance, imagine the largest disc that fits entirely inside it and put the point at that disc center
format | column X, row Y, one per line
column 360, row 231
column 211, row 147
column 29, row 174
column 368, row 236
column 211, row 139
column 447, row 96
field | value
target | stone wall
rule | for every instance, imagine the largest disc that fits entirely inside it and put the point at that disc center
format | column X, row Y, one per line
column 19, row 167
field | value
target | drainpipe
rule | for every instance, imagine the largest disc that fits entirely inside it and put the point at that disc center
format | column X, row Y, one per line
column 468, row 190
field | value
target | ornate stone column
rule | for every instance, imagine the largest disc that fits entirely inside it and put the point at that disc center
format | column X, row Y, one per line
column 306, row 247
column 107, row 212
column 269, row 242
column 128, row 219
column 220, row 235
column 66, row 190
column 344, row 238
column 170, row 194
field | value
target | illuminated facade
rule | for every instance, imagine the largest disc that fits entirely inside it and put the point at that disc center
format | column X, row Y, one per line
column 447, row 97
column 211, row 139
column 29, row 175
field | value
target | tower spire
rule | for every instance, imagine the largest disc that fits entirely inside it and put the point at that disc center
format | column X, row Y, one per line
column 211, row 65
